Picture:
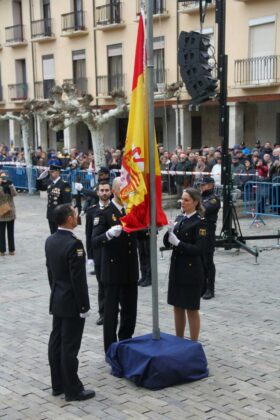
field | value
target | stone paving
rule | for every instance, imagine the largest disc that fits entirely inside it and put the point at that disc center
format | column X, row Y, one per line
column 240, row 334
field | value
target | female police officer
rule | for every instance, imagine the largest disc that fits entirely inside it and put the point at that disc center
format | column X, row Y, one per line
column 186, row 275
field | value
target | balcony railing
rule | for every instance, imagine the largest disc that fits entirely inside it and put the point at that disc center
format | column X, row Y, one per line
column 190, row 6
column 107, row 84
column 41, row 28
column 159, row 7
column 14, row 34
column 74, row 21
column 42, row 89
column 109, row 14
column 18, row 92
column 80, row 84
column 257, row 71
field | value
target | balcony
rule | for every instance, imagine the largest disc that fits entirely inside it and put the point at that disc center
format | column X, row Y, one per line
column 41, row 30
column 18, row 92
column 80, row 84
column 192, row 6
column 107, row 84
column 109, row 17
column 257, row 72
column 15, row 36
column 73, row 24
column 159, row 9
column 42, row 89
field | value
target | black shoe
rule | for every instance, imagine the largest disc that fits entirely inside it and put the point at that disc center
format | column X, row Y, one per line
column 57, row 392
column 100, row 321
column 146, row 283
column 209, row 294
column 82, row 396
column 141, row 281
column 92, row 273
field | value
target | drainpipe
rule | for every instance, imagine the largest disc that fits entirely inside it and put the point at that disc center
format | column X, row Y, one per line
column 33, row 70
column 95, row 53
column 177, row 99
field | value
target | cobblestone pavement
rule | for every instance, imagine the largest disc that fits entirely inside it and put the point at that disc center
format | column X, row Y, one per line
column 240, row 334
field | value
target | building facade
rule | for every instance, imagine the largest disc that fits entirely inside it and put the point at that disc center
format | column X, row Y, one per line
column 91, row 43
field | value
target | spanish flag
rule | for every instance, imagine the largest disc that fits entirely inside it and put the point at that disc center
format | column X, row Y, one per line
column 134, row 188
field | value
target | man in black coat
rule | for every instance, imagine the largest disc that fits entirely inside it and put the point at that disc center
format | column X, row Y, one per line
column 58, row 191
column 119, row 270
column 104, row 192
column 69, row 304
column 212, row 204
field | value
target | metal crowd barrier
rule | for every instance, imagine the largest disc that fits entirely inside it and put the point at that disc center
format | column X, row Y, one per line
column 262, row 198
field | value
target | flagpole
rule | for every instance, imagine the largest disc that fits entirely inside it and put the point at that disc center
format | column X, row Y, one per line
column 153, row 230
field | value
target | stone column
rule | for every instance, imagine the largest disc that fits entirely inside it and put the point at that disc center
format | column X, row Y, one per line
column 183, row 125
column 14, row 134
column 236, row 123
column 70, row 137
column 42, row 132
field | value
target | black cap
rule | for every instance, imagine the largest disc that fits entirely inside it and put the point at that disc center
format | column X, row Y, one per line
column 258, row 142
column 207, row 180
column 55, row 168
column 103, row 170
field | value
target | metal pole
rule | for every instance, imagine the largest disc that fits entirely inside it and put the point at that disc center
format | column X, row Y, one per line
column 153, row 233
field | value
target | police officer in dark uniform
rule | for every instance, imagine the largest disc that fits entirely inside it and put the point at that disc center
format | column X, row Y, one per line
column 212, row 204
column 119, row 270
column 104, row 192
column 69, row 304
column 58, row 191
column 143, row 243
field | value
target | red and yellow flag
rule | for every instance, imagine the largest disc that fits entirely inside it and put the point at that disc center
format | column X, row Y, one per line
column 135, row 175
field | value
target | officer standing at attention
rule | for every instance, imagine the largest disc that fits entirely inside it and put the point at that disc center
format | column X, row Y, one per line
column 119, row 270
column 59, row 192
column 104, row 192
column 69, row 304
column 211, row 204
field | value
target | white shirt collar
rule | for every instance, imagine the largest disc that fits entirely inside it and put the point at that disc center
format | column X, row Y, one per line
column 190, row 214
column 56, row 180
column 119, row 206
column 68, row 230
column 102, row 205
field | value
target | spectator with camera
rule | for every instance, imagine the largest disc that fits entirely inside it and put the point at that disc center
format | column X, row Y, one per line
column 7, row 214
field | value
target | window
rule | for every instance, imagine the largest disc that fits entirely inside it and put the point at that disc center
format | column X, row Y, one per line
column 79, row 71
column 115, row 76
column 46, row 7
column 78, row 14
column 159, row 64
column 21, row 86
column 48, row 74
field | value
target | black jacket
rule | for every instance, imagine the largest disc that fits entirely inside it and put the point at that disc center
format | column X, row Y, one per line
column 58, row 193
column 187, row 260
column 119, row 259
column 65, row 260
column 212, row 204
column 93, row 218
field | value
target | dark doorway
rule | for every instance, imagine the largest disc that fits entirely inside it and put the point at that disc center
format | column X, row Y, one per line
column 159, row 129
column 278, row 128
column 196, row 132
column 121, row 135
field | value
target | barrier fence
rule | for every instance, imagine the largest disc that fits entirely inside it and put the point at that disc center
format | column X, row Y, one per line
column 260, row 197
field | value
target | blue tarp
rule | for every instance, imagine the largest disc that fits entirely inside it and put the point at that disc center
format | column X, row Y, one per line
column 156, row 364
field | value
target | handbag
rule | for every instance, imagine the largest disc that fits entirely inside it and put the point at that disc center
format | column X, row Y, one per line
column 5, row 208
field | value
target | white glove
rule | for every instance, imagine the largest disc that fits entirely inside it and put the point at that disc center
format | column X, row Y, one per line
column 114, row 232
column 82, row 213
column 85, row 314
column 44, row 174
column 173, row 240
column 78, row 186
column 90, row 262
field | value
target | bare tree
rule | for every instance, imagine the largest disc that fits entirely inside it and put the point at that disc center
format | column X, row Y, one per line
column 65, row 109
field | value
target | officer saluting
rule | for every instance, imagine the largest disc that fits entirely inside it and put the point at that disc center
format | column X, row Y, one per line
column 212, row 204
column 58, row 191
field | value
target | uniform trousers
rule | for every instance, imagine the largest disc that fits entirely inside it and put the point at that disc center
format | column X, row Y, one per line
column 53, row 226
column 10, row 231
column 64, row 345
column 101, row 295
column 124, row 295
column 144, row 258
column 209, row 257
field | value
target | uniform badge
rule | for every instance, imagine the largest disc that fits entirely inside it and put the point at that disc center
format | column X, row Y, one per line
column 213, row 201
column 80, row 252
column 114, row 218
column 95, row 221
column 202, row 232
column 67, row 189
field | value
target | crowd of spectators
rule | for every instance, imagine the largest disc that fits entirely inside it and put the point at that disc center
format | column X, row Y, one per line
column 260, row 161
